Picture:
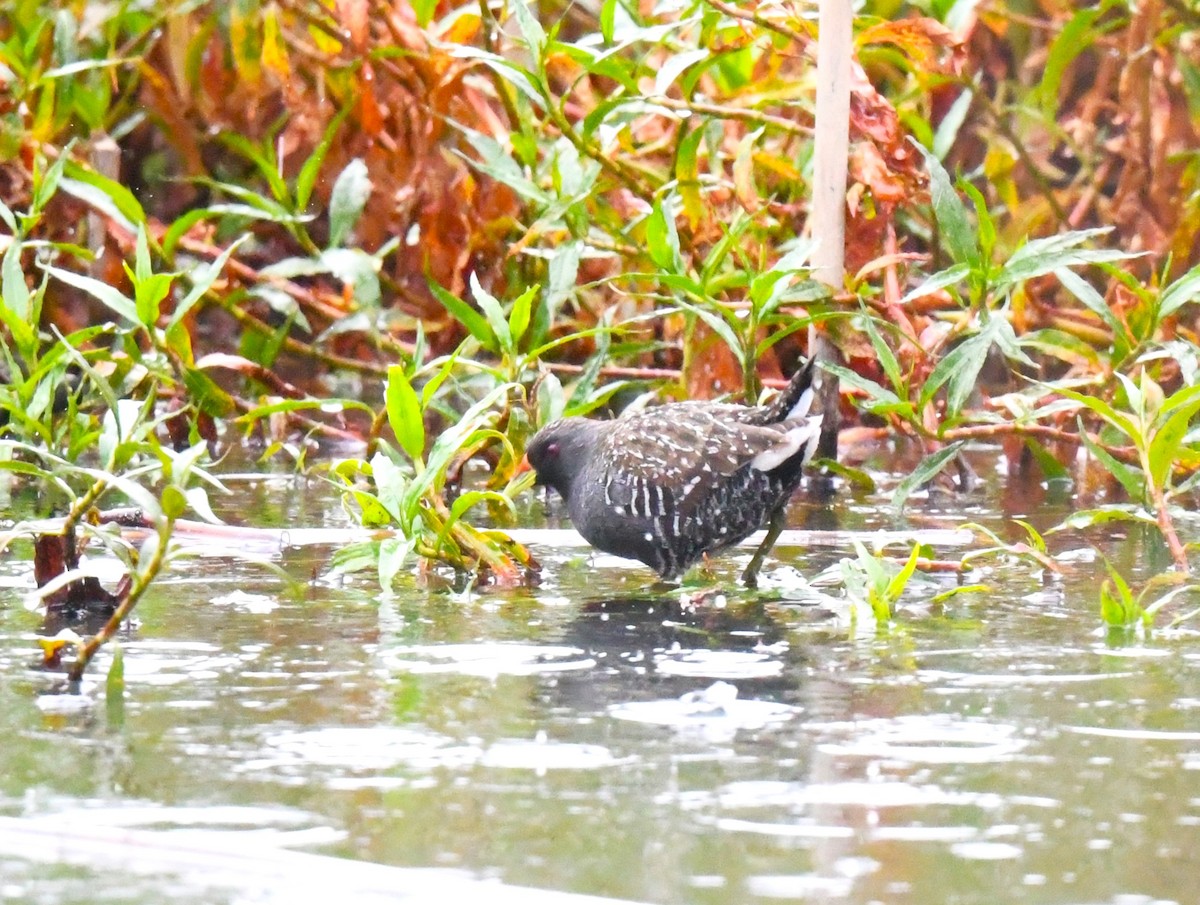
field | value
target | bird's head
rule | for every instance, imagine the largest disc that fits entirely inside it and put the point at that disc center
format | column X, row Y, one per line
column 559, row 452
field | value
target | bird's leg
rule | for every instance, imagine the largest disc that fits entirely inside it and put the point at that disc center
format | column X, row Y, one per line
column 774, row 529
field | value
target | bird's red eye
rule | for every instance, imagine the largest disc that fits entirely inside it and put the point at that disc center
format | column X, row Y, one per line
column 552, row 450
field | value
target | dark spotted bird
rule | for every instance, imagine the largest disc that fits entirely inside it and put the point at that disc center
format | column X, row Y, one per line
column 674, row 483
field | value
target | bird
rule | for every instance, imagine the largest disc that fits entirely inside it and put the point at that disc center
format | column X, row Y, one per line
column 675, row 483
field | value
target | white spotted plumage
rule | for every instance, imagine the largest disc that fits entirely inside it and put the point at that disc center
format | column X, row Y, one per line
column 667, row 485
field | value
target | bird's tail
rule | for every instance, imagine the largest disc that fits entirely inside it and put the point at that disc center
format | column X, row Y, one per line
column 795, row 400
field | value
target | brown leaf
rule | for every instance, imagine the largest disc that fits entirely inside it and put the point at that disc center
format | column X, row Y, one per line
column 354, row 17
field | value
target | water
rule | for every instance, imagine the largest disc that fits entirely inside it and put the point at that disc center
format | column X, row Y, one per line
column 594, row 737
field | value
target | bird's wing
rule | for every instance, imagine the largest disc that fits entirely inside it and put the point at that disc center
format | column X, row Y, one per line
column 666, row 459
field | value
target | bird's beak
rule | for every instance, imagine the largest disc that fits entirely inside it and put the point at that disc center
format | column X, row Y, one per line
column 523, row 466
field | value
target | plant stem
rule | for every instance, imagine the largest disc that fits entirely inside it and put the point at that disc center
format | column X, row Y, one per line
column 1166, row 524
column 141, row 580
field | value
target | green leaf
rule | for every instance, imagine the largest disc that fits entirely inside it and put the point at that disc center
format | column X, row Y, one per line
column 307, row 178
column 1185, row 289
column 551, row 401
column 423, row 10
column 608, row 10
column 1111, row 609
column 1046, row 255
column 1052, row 469
column 197, row 500
column 1094, row 302
column 1131, row 478
column 392, row 487
column 662, row 239
column 15, row 298
column 518, row 318
column 985, row 224
column 563, row 275
column 203, row 277
column 521, row 79
column 45, row 185
column 445, row 369
column 876, row 393
column 857, row 477
column 102, row 292
column 951, row 215
column 449, row 442
column 142, row 268
column 106, row 195
column 351, row 191
column 721, row 327
column 472, row 320
column 490, row 306
column 949, row 277
column 959, row 370
column 1125, row 592
column 394, row 551
column 1076, row 36
column 207, row 395
column 148, row 296
column 352, row 558
column 899, row 581
column 926, row 470
column 1035, row 539
column 404, row 413
column 467, row 501
column 531, row 28
column 887, row 358
column 174, row 503
column 687, row 174
column 1173, row 423
column 951, row 122
column 1121, row 421
column 674, row 66
column 961, row 589
column 267, row 165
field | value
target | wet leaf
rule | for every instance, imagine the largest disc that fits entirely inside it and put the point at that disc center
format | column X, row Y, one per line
column 393, row 553
column 1088, row 518
column 1131, row 477
column 404, row 413
column 472, row 320
column 490, row 306
column 351, row 191
column 926, row 471
column 887, row 358
column 1175, row 418
column 203, row 278
column 951, row 276
column 111, row 298
column 174, row 503
column 876, row 394
column 951, row 215
column 518, row 318
column 1184, row 290
column 106, row 195
column 551, row 400
column 662, row 240
column 1038, row 257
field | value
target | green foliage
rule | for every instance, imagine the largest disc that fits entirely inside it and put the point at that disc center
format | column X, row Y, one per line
column 877, row 582
column 1158, row 426
column 654, row 166
column 1124, row 612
